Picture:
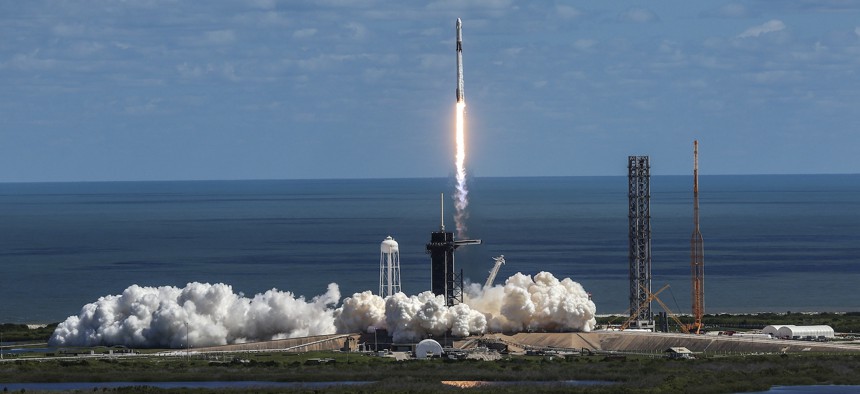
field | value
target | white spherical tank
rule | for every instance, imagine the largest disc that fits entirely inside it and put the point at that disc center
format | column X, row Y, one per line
column 389, row 245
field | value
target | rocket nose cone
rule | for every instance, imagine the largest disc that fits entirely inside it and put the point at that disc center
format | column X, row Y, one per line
column 459, row 22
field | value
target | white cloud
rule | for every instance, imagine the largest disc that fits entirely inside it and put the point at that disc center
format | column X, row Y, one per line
column 188, row 71
column 512, row 51
column 29, row 61
column 66, row 30
column 304, row 33
column 357, row 30
column 567, row 12
column 731, row 10
column 583, row 44
column 767, row 27
column 220, row 37
column 86, row 48
column 264, row 4
column 638, row 15
column 434, row 61
column 775, row 76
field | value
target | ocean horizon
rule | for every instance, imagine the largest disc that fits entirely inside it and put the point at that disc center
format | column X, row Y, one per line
column 773, row 243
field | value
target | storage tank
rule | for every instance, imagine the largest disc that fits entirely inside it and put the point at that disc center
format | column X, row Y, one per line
column 389, row 268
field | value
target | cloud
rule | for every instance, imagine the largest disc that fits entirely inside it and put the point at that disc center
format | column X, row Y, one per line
column 28, row 61
column 220, row 37
column 638, row 15
column 304, row 33
column 857, row 31
column 731, row 10
column 583, row 44
column 67, row 30
column 356, row 30
column 767, row 27
column 567, row 12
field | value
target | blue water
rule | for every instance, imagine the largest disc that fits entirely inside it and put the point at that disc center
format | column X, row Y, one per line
column 772, row 243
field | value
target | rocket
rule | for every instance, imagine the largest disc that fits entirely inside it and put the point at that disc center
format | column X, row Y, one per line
column 461, row 93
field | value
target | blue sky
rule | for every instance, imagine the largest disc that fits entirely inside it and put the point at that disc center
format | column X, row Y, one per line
column 164, row 90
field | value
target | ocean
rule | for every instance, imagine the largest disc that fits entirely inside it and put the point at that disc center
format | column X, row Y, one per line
column 772, row 243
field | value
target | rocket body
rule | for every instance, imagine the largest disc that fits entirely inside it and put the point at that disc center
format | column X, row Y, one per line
column 461, row 95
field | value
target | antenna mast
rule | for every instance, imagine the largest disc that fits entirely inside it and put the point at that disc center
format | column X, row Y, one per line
column 442, row 201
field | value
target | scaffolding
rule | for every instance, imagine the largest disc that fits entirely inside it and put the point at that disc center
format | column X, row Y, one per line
column 697, row 252
column 639, row 229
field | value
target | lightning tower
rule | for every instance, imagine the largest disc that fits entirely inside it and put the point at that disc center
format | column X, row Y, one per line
column 639, row 229
column 697, row 251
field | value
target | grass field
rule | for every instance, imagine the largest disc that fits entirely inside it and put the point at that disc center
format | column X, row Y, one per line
column 711, row 375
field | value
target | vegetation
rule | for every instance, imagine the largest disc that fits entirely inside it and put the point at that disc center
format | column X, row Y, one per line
column 848, row 322
column 641, row 374
column 21, row 333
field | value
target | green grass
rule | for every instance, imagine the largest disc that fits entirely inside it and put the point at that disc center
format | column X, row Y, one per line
column 709, row 375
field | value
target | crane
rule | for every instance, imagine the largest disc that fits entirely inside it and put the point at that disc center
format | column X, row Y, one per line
column 668, row 312
column 651, row 296
column 493, row 272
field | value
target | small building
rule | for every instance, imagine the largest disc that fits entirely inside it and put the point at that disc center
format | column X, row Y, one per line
column 679, row 353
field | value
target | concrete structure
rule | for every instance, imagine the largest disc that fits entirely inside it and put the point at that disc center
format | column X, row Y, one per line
column 656, row 343
column 428, row 348
column 389, row 267
column 639, row 229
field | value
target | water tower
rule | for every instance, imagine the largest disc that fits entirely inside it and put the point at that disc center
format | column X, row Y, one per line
column 389, row 267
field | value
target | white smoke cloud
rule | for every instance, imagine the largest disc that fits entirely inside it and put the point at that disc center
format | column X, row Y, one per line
column 542, row 303
column 215, row 315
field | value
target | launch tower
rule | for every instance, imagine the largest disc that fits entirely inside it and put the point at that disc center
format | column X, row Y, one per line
column 444, row 279
column 639, row 219
column 697, row 252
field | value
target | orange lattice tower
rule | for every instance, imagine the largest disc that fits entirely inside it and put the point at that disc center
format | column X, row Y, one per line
column 697, row 251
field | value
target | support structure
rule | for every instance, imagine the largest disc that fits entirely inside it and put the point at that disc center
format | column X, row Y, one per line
column 697, row 252
column 495, row 271
column 445, row 280
column 389, row 268
column 639, row 229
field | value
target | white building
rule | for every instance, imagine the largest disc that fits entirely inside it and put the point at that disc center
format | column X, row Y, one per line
column 800, row 332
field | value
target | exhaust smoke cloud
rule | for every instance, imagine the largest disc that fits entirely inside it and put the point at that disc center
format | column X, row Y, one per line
column 216, row 315
column 461, row 194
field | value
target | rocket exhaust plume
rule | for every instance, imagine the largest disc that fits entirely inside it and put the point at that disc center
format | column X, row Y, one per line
column 461, row 195
column 206, row 315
